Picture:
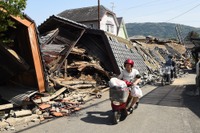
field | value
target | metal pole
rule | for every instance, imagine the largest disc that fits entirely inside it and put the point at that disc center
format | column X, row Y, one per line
column 98, row 14
column 65, row 74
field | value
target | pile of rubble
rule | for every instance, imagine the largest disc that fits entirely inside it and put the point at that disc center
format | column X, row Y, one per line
column 38, row 107
column 68, row 91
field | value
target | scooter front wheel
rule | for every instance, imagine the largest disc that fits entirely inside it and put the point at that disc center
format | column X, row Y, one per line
column 129, row 101
column 116, row 117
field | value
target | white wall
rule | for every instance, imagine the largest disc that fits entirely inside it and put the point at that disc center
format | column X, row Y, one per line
column 121, row 32
column 108, row 18
column 103, row 24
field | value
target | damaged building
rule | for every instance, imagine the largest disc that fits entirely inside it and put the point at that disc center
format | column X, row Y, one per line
column 21, row 64
column 105, row 49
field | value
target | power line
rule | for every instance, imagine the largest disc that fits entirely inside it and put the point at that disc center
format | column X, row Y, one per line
column 139, row 5
column 164, row 10
column 184, row 13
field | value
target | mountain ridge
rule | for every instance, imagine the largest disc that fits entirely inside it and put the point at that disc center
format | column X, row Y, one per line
column 159, row 30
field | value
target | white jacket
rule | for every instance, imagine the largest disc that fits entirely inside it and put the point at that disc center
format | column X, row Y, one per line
column 128, row 76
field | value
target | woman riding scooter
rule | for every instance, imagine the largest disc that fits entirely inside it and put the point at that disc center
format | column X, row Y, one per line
column 132, row 78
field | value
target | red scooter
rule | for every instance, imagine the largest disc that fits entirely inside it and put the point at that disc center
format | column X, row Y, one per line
column 120, row 102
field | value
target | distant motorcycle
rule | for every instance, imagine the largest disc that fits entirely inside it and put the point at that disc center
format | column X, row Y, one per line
column 166, row 74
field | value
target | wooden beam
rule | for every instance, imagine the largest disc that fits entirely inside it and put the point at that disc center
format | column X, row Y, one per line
column 49, row 98
column 37, row 59
column 24, row 21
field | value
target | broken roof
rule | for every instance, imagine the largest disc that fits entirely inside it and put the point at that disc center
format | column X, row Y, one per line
column 55, row 21
column 62, row 31
column 111, row 50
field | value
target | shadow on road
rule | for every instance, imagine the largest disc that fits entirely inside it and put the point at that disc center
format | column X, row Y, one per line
column 98, row 117
column 175, row 96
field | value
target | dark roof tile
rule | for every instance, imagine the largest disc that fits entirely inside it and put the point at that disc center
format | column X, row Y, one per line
column 85, row 13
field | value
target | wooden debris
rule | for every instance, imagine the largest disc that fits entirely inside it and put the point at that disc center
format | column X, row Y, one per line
column 78, row 82
column 77, row 109
column 57, row 114
column 57, row 93
column 83, row 64
column 59, row 83
column 79, row 51
column 83, row 85
column 46, row 99
column 42, row 100
column 44, row 106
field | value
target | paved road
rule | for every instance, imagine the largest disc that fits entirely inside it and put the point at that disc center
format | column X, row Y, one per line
column 161, row 110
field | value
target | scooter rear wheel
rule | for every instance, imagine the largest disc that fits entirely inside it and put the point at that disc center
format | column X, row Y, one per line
column 116, row 117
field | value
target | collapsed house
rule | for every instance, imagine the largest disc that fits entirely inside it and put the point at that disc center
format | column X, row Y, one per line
column 106, row 50
column 21, row 64
column 103, row 48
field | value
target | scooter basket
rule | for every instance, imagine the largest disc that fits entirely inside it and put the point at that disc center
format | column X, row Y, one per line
column 119, row 94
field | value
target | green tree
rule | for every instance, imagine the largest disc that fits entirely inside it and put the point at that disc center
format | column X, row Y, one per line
column 191, row 35
column 7, row 8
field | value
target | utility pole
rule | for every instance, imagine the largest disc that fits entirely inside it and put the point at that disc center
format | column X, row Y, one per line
column 99, row 14
column 179, row 34
column 113, row 5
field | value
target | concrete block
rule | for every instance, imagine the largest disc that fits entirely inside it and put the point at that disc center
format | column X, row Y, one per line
column 11, row 121
column 3, row 124
column 30, row 118
column 18, row 121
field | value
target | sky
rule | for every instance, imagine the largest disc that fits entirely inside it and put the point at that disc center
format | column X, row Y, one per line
column 185, row 12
